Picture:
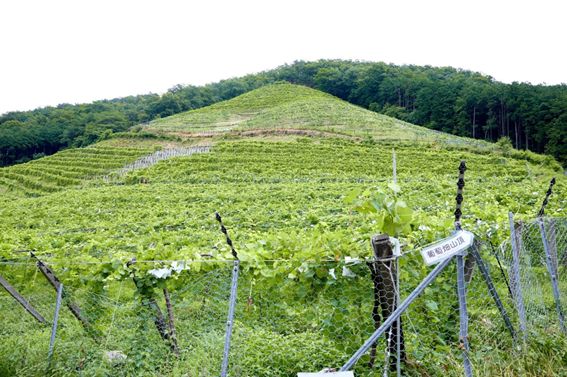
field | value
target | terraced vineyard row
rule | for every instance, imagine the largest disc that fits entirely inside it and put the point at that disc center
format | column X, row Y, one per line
column 336, row 161
column 269, row 190
column 66, row 169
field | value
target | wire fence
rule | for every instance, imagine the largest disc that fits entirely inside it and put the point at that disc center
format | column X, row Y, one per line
column 290, row 316
column 154, row 158
column 537, row 251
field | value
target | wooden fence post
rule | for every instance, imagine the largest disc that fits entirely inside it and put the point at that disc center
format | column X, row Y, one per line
column 383, row 272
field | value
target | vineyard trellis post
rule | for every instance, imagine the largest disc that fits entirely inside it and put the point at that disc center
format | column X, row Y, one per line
column 461, row 278
column 384, row 272
column 399, row 321
column 515, row 281
column 552, row 273
column 230, row 319
column 54, row 327
column 397, row 292
column 463, row 314
column 233, row 294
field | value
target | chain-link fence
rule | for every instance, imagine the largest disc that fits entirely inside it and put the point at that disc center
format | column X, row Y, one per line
column 120, row 327
column 290, row 315
column 535, row 262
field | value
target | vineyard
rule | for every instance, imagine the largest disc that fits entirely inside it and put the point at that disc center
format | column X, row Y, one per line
column 300, row 210
column 66, row 169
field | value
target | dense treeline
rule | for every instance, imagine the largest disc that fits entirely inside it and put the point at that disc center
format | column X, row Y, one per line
column 30, row 134
column 446, row 99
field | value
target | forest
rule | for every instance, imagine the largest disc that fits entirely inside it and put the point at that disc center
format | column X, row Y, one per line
column 460, row 102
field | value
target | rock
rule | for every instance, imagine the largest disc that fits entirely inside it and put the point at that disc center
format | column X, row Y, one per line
column 115, row 357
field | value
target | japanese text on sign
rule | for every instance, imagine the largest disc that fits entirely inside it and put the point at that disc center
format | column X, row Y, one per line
column 447, row 247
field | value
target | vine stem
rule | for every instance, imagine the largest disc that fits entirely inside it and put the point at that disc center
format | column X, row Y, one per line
column 171, row 322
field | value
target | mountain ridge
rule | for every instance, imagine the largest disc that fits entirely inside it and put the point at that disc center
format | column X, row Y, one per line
column 456, row 101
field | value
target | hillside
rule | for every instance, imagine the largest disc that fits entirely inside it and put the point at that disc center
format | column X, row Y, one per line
column 285, row 106
column 445, row 99
column 288, row 198
column 280, row 109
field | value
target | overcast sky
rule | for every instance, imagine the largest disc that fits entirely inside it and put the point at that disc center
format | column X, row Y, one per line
column 74, row 51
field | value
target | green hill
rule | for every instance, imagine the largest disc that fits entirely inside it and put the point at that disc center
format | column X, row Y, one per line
column 285, row 106
column 445, row 99
column 283, row 195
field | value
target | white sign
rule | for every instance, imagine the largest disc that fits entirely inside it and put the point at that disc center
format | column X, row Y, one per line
column 456, row 243
column 326, row 374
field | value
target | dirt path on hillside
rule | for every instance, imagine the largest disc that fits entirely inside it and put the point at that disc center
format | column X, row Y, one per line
column 264, row 132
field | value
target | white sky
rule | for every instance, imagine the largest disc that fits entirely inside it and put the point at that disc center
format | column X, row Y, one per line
column 74, row 51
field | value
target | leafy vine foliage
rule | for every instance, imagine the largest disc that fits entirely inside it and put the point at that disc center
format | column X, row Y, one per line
column 390, row 214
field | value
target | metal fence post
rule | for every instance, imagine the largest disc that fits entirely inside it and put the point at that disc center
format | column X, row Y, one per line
column 492, row 289
column 230, row 320
column 398, row 321
column 517, row 285
column 463, row 315
column 55, row 320
column 395, row 315
column 552, row 274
